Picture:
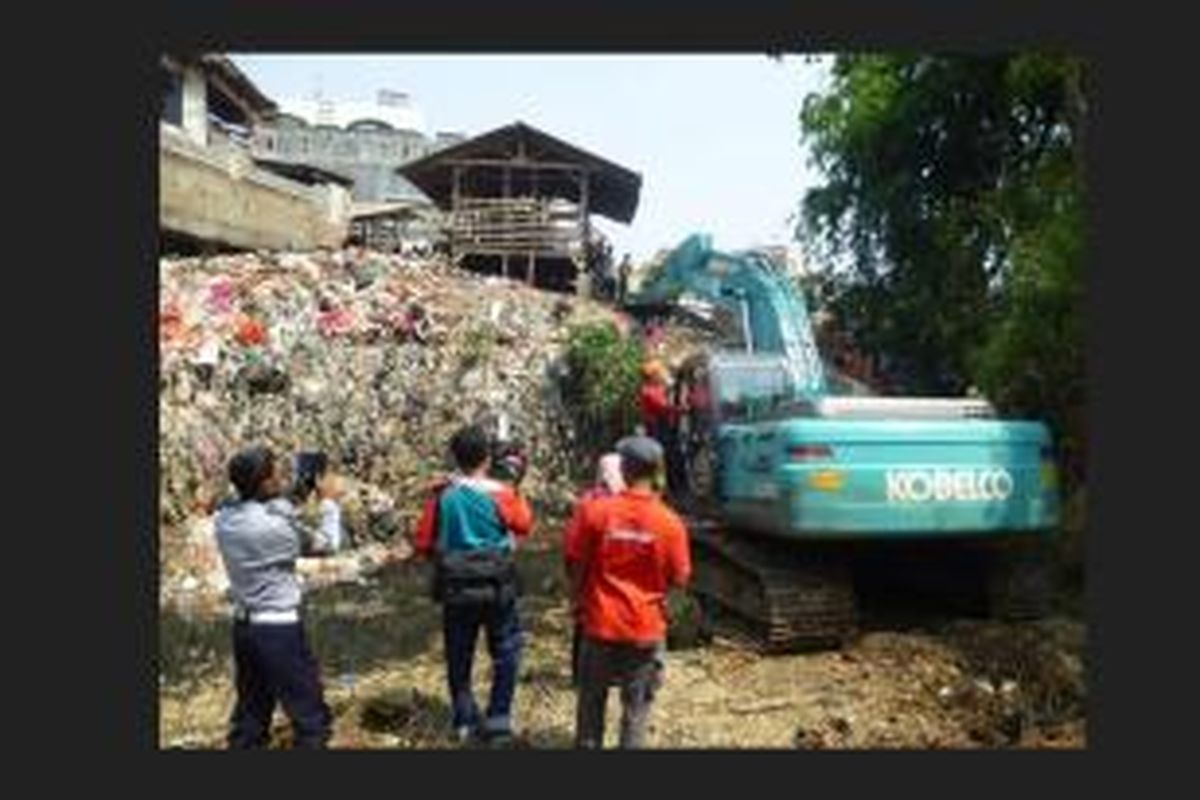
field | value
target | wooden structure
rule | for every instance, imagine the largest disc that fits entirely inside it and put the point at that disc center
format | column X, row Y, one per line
column 518, row 203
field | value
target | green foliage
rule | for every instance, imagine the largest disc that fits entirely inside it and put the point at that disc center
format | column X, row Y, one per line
column 602, row 383
column 478, row 345
column 952, row 213
column 684, row 621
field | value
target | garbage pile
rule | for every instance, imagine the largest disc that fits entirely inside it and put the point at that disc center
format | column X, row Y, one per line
column 374, row 359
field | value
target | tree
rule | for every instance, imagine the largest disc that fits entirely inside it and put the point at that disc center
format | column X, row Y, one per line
column 952, row 213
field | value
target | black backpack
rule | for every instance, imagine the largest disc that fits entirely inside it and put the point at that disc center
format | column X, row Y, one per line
column 472, row 577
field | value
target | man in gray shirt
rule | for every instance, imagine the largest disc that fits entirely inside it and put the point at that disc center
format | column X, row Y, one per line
column 260, row 539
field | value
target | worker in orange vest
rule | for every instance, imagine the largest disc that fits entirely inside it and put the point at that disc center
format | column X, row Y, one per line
column 660, row 420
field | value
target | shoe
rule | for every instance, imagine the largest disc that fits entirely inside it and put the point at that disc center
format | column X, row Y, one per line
column 465, row 735
column 499, row 739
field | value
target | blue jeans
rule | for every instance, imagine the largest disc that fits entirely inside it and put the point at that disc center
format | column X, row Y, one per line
column 273, row 663
column 460, row 629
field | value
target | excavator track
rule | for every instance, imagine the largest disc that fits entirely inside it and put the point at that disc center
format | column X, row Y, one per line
column 1019, row 581
column 778, row 598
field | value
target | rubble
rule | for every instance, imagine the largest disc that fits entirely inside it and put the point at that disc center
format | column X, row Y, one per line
column 372, row 358
column 881, row 692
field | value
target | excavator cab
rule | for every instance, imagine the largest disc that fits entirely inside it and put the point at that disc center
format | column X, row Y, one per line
column 720, row 392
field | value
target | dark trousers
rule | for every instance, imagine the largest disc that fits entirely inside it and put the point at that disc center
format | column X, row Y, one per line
column 273, row 663
column 576, row 642
column 460, row 629
column 636, row 669
column 668, row 436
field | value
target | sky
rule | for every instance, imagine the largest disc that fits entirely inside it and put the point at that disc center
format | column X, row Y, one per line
column 716, row 138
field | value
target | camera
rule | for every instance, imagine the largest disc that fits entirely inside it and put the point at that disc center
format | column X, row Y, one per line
column 307, row 468
column 509, row 462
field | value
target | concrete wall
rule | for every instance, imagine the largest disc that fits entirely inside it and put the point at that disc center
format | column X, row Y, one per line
column 370, row 157
column 222, row 196
column 338, row 203
column 195, row 105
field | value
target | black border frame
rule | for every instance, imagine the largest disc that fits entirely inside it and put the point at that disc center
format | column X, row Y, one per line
column 109, row 344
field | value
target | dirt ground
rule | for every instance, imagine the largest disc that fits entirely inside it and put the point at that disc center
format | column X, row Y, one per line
column 916, row 680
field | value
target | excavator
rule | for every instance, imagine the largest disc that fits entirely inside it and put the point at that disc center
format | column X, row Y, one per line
column 790, row 480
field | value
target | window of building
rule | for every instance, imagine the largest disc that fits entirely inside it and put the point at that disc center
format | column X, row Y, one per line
column 171, row 109
column 227, row 118
column 369, row 126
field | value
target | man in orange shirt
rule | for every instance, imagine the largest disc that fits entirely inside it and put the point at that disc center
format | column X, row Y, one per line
column 609, row 483
column 660, row 419
column 654, row 406
column 625, row 554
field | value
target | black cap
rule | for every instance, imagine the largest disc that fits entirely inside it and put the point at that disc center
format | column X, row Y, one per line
column 249, row 468
column 641, row 450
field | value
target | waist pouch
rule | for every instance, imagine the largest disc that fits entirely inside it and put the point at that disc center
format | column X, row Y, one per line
column 475, row 576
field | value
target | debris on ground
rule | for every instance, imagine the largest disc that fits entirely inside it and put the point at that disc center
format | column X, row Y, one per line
column 970, row 684
column 300, row 352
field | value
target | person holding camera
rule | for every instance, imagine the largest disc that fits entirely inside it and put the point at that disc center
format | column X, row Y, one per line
column 468, row 527
column 260, row 538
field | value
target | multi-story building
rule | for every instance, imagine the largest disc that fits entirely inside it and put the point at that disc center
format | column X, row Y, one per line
column 362, row 140
column 213, row 191
column 366, row 141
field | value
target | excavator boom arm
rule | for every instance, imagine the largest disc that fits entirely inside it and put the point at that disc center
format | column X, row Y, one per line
column 774, row 316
